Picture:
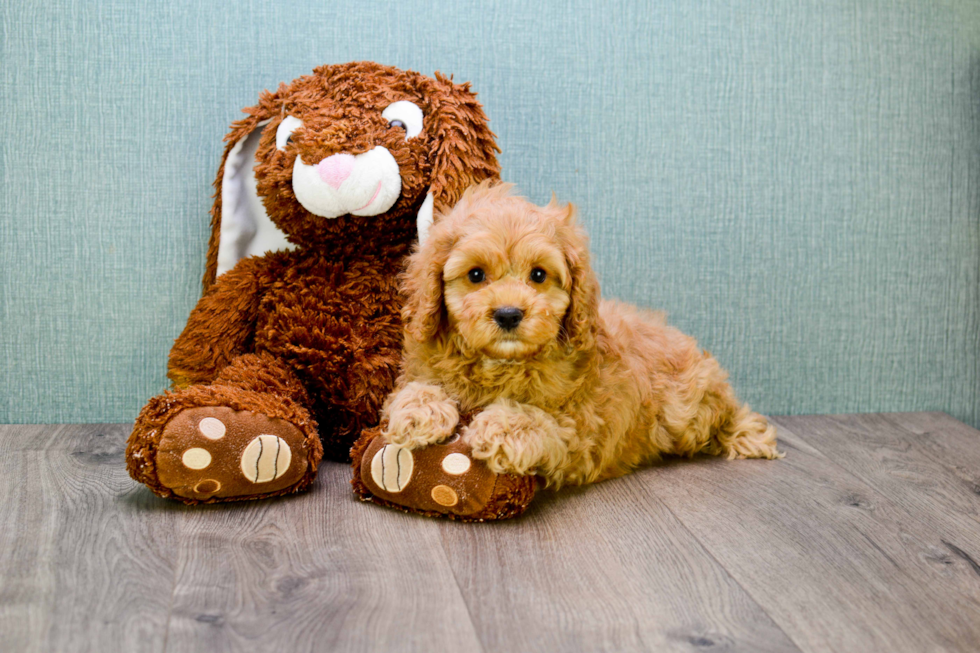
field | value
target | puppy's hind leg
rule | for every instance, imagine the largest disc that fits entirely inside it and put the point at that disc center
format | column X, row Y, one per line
column 720, row 425
column 745, row 435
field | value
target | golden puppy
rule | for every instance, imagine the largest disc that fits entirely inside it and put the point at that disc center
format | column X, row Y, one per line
column 503, row 317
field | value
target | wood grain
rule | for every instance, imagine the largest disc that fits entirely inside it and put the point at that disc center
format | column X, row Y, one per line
column 87, row 557
column 865, row 538
column 836, row 563
column 951, row 442
column 934, row 475
column 604, row 568
column 319, row 571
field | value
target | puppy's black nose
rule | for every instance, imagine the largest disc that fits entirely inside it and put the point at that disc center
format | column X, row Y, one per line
column 508, row 317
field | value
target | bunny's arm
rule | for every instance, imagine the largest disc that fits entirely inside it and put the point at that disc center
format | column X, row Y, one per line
column 222, row 325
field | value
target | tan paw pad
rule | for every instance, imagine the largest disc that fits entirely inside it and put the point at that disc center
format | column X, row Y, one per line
column 391, row 468
column 456, row 463
column 266, row 458
column 207, row 486
column 196, row 458
column 211, row 428
column 445, row 496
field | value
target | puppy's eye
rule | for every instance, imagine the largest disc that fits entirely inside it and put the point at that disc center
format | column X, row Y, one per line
column 476, row 275
column 396, row 123
column 538, row 275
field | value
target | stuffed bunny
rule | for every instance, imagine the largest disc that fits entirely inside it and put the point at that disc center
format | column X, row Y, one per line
column 322, row 190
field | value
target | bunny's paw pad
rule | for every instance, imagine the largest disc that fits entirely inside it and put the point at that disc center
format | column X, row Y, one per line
column 215, row 453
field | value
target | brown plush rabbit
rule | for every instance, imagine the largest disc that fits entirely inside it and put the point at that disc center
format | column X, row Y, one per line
column 322, row 190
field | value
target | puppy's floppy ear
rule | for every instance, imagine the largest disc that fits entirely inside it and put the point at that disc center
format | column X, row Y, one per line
column 424, row 312
column 581, row 321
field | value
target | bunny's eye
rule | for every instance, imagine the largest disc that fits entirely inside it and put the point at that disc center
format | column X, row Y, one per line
column 284, row 135
column 406, row 115
column 476, row 275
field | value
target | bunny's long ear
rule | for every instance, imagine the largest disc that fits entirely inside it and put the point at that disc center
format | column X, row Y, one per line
column 465, row 149
column 240, row 226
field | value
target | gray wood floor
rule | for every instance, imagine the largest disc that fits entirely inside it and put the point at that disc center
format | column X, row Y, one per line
column 866, row 537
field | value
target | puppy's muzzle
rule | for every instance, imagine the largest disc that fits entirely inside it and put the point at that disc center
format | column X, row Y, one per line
column 508, row 317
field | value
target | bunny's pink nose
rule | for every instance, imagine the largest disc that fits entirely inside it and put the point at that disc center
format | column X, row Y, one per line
column 335, row 169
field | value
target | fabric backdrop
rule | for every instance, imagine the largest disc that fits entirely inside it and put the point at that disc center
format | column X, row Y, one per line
column 796, row 182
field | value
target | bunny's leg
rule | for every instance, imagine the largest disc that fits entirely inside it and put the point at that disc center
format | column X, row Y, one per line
column 248, row 434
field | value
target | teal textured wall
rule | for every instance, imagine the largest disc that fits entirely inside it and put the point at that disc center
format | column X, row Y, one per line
column 797, row 182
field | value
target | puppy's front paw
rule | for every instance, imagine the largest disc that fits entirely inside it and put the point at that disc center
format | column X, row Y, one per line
column 514, row 438
column 418, row 415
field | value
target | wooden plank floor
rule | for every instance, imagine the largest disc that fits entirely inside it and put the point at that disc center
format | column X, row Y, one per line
column 866, row 537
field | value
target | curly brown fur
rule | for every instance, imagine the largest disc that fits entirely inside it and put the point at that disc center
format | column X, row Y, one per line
column 341, row 108
column 328, row 310
column 580, row 390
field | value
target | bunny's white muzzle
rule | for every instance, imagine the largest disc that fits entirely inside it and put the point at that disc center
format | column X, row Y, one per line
column 365, row 184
